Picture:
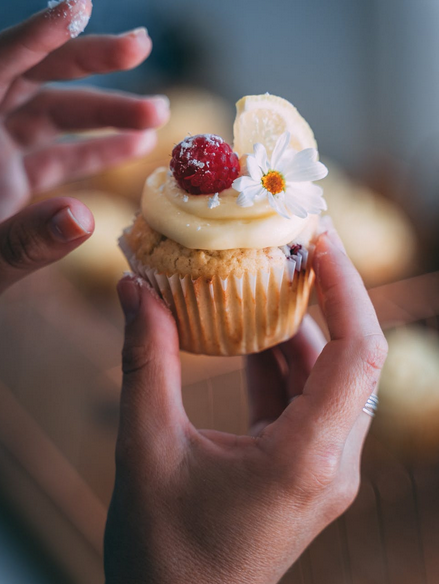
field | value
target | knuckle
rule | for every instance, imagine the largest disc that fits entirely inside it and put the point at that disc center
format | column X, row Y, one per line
column 373, row 352
column 319, row 473
column 136, row 357
column 21, row 247
column 30, row 123
column 346, row 492
column 326, row 468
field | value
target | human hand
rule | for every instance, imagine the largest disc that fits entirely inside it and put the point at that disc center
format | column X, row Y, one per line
column 33, row 118
column 208, row 507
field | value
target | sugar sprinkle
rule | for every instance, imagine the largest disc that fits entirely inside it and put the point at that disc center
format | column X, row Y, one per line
column 79, row 20
column 214, row 201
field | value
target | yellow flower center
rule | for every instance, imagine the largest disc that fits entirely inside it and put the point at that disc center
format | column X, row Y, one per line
column 273, row 182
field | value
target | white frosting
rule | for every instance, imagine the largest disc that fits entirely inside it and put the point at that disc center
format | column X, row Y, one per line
column 189, row 220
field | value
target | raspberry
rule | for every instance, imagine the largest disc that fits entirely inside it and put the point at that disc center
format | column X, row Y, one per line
column 295, row 248
column 204, row 164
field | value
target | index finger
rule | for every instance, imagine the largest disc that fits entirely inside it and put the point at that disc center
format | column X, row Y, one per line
column 28, row 43
column 348, row 369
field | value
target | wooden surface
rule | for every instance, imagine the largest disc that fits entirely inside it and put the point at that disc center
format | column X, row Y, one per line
column 59, row 390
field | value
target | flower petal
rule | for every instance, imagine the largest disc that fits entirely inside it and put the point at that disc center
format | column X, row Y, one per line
column 254, row 169
column 308, row 197
column 306, row 189
column 261, row 194
column 279, row 149
column 295, row 208
column 243, row 182
column 278, row 205
column 286, row 161
column 244, row 200
column 261, row 157
column 305, row 167
column 255, row 191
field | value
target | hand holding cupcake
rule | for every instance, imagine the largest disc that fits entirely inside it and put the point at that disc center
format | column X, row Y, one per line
column 225, row 236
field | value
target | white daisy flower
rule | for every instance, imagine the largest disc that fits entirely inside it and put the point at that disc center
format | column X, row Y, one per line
column 286, row 180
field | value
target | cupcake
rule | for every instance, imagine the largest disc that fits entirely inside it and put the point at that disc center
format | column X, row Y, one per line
column 407, row 419
column 225, row 236
column 376, row 233
column 84, row 265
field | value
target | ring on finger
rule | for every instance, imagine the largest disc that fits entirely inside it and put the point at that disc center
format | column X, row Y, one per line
column 371, row 405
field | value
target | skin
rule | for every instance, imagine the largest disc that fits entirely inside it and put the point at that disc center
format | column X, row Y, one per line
column 33, row 117
column 209, row 507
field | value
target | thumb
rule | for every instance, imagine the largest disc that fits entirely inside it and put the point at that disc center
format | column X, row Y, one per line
column 152, row 412
column 40, row 235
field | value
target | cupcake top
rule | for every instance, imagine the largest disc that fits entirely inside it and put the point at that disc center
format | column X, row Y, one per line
column 214, row 198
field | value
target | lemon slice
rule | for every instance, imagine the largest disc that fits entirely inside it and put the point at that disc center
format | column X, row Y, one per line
column 263, row 118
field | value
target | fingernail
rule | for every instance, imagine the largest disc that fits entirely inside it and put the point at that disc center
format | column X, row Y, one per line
column 136, row 32
column 162, row 105
column 76, row 10
column 326, row 224
column 66, row 227
column 327, row 229
column 129, row 296
column 146, row 142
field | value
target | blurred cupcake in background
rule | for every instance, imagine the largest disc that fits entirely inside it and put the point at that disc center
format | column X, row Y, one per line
column 377, row 235
column 97, row 265
column 408, row 415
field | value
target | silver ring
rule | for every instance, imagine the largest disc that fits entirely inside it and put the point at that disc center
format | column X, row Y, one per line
column 371, row 405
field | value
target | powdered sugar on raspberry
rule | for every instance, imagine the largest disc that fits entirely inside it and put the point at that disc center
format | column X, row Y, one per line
column 204, row 164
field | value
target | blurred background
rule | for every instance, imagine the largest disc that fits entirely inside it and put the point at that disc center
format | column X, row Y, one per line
column 365, row 76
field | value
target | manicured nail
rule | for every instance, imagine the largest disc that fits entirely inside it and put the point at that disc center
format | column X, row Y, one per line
column 129, row 296
column 136, row 32
column 66, row 227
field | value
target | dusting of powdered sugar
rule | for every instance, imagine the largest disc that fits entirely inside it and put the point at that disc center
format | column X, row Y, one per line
column 79, row 20
column 214, row 201
column 78, row 23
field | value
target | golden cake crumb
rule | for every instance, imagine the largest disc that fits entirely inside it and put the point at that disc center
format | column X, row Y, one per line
column 169, row 257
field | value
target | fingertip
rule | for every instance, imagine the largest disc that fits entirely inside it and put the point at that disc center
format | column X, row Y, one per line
column 76, row 13
column 83, row 215
column 151, row 112
column 129, row 296
column 144, row 142
column 73, row 221
column 329, row 233
column 131, row 49
column 330, row 256
column 161, row 104
column 139, row 297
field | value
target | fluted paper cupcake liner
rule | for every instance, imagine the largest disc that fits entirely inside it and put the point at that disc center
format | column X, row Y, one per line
column 233, row 315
